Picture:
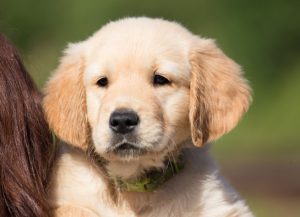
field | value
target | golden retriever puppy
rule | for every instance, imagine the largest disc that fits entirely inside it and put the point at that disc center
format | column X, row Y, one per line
column 136, row 105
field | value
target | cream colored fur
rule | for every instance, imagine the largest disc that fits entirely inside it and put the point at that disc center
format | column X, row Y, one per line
column 205, row 99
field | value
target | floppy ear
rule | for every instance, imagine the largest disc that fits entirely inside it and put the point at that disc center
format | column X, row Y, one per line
column 64, row 101
column 219, row 95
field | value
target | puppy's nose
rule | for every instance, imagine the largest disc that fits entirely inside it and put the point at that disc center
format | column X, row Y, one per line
column 123, row 121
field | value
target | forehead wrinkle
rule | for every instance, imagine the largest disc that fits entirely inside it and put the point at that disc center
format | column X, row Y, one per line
column 131, row 64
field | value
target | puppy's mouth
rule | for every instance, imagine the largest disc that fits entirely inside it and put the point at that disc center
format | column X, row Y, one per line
column 127, row 149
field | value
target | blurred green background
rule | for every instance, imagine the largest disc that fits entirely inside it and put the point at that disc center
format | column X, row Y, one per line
column 261, row 157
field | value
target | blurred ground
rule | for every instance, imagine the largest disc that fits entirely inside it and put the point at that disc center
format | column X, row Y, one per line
column 261, row 157
column 271, row 187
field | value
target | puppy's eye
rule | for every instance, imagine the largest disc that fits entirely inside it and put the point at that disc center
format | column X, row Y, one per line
column 102, row 82
column 160, row 80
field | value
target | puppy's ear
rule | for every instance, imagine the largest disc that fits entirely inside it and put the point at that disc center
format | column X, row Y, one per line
column 219, row 95
column 64, row 102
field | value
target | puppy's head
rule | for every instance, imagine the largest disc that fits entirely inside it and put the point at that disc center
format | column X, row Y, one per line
column 140, row 87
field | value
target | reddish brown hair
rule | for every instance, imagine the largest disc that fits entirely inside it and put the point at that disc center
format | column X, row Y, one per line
column 25, row 140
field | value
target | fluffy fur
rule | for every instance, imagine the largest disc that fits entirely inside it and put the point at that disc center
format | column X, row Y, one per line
column 205, row 98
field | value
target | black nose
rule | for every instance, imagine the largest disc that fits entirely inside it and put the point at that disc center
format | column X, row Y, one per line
column 123, row 121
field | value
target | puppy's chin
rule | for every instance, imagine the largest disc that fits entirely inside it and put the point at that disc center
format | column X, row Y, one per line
column 129, row 160
column 126, row 151
column 129, row 151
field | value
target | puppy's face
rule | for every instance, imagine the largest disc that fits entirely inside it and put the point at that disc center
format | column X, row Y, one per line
column 137, row 91
column 140, row 87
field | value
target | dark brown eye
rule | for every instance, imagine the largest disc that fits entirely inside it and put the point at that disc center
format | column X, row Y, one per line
column 102, row 82
column 160, row 80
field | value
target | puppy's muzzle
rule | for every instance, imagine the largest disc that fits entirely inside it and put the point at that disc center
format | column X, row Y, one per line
column 123, row 121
